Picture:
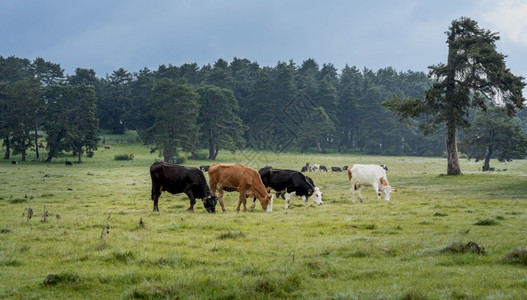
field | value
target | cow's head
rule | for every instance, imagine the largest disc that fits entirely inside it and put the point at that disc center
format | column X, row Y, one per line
column 267, row 203
column 386, row 190
column 317, row 196
column 210, row 203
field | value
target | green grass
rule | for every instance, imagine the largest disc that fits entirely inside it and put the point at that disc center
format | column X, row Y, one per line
column 402, row 249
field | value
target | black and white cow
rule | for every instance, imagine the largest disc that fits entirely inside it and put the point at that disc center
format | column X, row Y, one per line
column 287, row 182
column 179, row 179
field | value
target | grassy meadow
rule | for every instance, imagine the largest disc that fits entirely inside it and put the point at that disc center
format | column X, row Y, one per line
column 417, row 246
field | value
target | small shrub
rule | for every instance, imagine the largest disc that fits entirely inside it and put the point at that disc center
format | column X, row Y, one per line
column 487, row 222
column 198, row 156
column 124, row 156
column 518, row 256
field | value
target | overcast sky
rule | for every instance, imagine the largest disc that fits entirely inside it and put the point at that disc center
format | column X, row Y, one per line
column 106, row 35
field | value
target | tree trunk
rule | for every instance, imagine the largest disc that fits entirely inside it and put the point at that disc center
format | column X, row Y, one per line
column 7, row 148
column 36, row 140
column 213, row 152
column 451, row 147
column 486, row 164
column 319, row 148
column 79, row 155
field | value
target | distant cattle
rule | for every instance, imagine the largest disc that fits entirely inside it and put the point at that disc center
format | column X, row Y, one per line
column 315, row 167
column 68, row 163
column 107, row 147
column 305, row 169
column 384, row 167
column 41, row 146
column 237, row 177
column 323, row 168
column 179, row 179
column 204, row 168
column 371, row 175
column 287, row 182
column 336, row 169
column 344, row 168
column 14, row 162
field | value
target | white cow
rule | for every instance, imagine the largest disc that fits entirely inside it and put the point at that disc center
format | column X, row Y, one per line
column 373, row 175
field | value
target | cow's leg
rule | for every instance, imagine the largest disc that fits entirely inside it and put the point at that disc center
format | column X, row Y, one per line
column 376, row 188
column 287, row 199
column 241, row 199
column 156, row 193
column 304, row 198
column 190, row 195
column 254, row 203
column 220, row 199
column 358, row 187
column 352, row 191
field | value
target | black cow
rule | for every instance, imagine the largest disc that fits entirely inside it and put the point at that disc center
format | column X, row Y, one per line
column 179, row 179
column 344, row 168
column 204, row 168
column 287, row 182
column 304, row 169
column 336, row 169
column 68, row 163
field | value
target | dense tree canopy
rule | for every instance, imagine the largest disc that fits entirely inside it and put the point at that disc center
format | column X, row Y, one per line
column 179, row 110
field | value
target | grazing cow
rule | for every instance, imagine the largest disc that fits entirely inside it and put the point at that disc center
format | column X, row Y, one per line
column 315, row 167
column 14, row 162
column 344, row 168
column 107, row 147
column 178, row 179
column 373, row 175
column 304, row 169
column 336, row 169
column 323, row 168
column 287, row 182
column 68, row 163
column 204, row 168
column 236, row 177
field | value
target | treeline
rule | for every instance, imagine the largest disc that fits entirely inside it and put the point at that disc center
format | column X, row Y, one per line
column 181, row 109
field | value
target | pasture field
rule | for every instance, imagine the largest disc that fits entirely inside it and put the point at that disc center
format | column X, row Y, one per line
column 417, row 246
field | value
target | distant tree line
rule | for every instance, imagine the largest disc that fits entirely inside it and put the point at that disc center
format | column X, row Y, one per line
column 229, row 106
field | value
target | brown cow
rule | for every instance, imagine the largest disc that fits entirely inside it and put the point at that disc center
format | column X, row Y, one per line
column 236, row 177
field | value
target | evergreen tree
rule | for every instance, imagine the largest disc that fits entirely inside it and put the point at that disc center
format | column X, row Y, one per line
column 218, row 119
column 175, row 109
column 114, row 98
column 475, row 74
column 82, row 130
column 21, row 114
column 57, row 100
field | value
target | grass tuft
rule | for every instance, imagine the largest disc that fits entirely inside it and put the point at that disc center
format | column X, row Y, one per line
column 10, row 262
column 487, row 222
column 17, row 200
column 517, row 256
column 470, row 247
column 65, row 277
column 230, row 235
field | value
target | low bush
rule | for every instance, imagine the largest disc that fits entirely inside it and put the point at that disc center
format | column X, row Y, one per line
column 124, row 156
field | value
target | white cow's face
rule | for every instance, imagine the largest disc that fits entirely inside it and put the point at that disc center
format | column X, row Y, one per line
column 387, row 190
column 317, row 196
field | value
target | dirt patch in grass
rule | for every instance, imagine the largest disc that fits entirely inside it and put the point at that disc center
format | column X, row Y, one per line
column 54, row 279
